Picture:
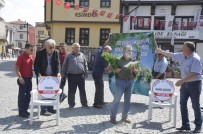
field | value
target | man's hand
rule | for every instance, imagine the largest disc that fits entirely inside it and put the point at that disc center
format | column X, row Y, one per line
column 118, row 70
column 21, row 80
column 179, row 83
column 58, row 75
column 159, row 51
column 86, row 75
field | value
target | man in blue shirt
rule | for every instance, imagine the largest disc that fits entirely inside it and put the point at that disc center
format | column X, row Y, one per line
column 98, row 70
column 191, row 83
column 160, row 66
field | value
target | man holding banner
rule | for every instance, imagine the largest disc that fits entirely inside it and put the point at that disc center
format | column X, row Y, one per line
column 191, row 83
column 124, row 85
column 47, row 64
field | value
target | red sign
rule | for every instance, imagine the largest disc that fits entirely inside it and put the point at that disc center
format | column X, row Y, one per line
column 109, row 15
column 125, row 18
column 134, row 19
column 117, row 16
column 163, row 23
column 102, row 13
column 156, row 23
column 86, row 9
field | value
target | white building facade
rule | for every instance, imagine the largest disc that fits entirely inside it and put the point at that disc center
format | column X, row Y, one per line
column 173, row 22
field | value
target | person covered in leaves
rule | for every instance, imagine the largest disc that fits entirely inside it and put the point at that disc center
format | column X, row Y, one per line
column 100, row 66
column 124, row 85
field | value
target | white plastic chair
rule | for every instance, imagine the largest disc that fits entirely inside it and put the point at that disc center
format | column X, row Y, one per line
column 37, row 99
column 154, row 102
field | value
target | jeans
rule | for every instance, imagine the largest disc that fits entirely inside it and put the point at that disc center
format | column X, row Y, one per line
column 192, row 90
column 99, row 92
column 24, row 94
column 74, row 81
column 122, row 87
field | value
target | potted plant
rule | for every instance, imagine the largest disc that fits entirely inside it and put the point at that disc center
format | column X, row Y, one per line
column 176, row 73
column 169, row 72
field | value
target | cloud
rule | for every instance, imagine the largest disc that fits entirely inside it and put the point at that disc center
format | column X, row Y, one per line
column 27, row 10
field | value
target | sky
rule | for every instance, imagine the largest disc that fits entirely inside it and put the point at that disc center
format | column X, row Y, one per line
column 26, row 10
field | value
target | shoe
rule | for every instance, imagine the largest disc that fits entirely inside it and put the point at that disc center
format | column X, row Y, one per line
column 113, row 120
column 85, row 106
column 71, row 107
column 97, row 106
column 23, row 115
column 104, row 103
column 183, row 128
column 197, row 130
column 126, row 120
column 46, row 113
column 63, row 98
column 26, row 112
column 52, row 111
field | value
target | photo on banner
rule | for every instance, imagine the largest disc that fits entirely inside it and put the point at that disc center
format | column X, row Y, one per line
column 143, row 52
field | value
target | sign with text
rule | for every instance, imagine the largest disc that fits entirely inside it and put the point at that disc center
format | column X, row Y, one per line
column 48, row 86
column 143, row 55
column 177, row 34
column 163, row 89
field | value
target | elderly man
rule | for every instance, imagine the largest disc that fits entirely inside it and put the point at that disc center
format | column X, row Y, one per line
column 124, row 85
column 191, row 84
column 160, row 66
column 100, row 66
column 47, row 64
column 75, row 68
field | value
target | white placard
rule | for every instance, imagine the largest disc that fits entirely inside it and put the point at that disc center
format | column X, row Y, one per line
column 163, row 89
column 131, row 63
column 48, row 86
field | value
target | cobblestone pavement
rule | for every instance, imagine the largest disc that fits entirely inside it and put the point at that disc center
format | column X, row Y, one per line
column 80, row 120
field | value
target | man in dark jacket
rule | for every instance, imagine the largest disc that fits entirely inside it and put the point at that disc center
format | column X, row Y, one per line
column 47, row 64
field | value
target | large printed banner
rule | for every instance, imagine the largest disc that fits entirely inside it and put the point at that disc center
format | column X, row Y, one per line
column 143, row 52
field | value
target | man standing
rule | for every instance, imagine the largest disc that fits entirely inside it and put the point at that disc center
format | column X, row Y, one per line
column 191, row 83
column 62, row 54
column 75, row 68
column 47, row 64
column 100, row 66
column 160, row 66
column 124, row 85
column 24, row 72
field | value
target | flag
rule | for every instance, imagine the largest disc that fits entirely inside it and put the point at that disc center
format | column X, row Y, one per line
column 102, row 13
column 85, row 9
column 117, row 16
column 109, row 15
column 77, row 7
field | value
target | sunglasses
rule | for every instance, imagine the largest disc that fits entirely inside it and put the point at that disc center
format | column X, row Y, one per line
column 51, row 47
column 31, row 50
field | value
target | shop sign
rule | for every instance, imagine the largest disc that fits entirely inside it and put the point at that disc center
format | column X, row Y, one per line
column 86, row 14
column 177, row 34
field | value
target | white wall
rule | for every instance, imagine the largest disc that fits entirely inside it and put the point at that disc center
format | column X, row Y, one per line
column 199, row 50
column 162, row 10
column 186, row 10
column 2, row 29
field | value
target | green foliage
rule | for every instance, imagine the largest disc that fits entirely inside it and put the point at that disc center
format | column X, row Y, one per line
column 138, row 50
column 111, row 59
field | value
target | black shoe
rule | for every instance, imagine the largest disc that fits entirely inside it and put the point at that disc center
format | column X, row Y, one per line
column 104, row 103
column 85, row 106
column 26, row 112
column 23, row 115
column 52, row 111
column 197, row 130
column 63, row 98
column 71, row 107
column 183, row 128
column 46, row 113
column 97, row 106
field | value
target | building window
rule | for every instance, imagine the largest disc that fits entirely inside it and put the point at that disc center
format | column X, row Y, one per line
column 84, row 3
column 105, row 3
column 40, row 32
column 21, row 27
column 21, row 36
column 159, row 23
column 140, row 22
column 84, row 36
column 70, row 36
column 72, row 2
column 104, row 35
column 184, row 23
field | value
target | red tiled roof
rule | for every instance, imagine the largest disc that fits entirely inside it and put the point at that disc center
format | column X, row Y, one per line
column 17, row 22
